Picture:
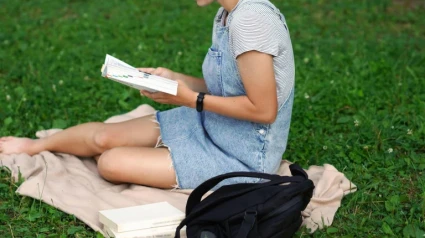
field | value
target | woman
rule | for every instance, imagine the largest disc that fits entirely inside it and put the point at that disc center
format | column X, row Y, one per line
column 235, row 119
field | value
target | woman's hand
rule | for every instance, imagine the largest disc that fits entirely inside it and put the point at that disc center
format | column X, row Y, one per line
column 163, row 72
column 185, row 96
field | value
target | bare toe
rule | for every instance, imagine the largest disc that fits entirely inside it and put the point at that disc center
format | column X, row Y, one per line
column 14, row 145
column 6, row 138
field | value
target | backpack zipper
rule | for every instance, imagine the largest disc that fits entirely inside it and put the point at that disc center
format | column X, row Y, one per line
column 283, row 208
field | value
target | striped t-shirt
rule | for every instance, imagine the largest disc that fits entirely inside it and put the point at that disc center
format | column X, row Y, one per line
column 258, row 25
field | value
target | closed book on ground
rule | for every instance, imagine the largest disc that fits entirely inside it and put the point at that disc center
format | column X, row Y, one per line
column 141, row 217
column 156, row 232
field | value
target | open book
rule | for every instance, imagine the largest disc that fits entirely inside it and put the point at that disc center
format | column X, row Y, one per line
column 124, row 73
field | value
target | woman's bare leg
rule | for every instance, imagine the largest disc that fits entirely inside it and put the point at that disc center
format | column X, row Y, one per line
column 138, row 165
column 89, row 139
column 121, row 149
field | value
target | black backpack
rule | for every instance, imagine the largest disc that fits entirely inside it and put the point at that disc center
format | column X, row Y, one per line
column 248, row 210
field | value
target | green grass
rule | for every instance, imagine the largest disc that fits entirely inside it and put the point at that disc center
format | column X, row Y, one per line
column 359, row 101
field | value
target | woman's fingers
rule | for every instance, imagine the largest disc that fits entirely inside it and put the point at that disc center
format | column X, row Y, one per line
column 146, row 70
column 154, row 96
column 157, row 96
column 155, row 71
column 158, row 71
column 145, row 93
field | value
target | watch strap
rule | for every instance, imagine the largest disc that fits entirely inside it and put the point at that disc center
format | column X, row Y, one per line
column 200, row 102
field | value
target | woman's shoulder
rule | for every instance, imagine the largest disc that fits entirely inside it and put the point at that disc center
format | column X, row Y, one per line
column 253, row 12
column 255, row 4
column 256, row 25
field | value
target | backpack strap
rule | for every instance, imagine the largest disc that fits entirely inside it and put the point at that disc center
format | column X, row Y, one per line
column 296, row 170
column 247, row 224
column 195, row 197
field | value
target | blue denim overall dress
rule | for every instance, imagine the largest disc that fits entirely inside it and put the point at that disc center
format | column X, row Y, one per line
column 204, row 145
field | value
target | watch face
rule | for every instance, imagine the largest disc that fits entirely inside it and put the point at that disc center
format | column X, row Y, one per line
column 207, row 234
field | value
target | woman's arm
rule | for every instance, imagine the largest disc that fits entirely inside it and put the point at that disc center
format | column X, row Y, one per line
column 260, row 103
column 196, row 84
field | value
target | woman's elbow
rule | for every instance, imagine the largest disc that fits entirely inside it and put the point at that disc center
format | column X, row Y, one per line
column 268, row 117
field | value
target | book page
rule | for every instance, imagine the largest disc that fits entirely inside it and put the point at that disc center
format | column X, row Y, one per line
column 110, row 60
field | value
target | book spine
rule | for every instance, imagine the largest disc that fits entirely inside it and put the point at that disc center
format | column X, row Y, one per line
column 150, row 236
column 145, row 225
column 159, row 234
column 166, row 223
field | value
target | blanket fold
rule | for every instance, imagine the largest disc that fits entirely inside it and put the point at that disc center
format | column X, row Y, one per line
column 74, row 186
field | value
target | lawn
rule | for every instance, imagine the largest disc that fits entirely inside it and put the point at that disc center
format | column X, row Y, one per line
column 359, row 99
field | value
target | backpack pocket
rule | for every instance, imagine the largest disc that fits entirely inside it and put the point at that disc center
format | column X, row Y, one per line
column 217, row 230
column 288, row 231
column 282, row 219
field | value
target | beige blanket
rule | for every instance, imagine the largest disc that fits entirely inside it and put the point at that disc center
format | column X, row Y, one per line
column 74, row 186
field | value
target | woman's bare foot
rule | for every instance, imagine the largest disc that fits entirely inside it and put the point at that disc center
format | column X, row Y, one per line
column 15, row 145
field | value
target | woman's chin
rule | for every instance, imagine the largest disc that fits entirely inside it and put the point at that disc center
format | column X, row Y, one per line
column 203, row 3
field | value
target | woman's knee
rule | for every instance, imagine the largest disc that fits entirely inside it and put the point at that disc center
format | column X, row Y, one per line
column 102, row 138
column 108, row 165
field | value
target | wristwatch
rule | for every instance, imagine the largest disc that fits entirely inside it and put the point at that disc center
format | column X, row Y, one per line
column 200, row 102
